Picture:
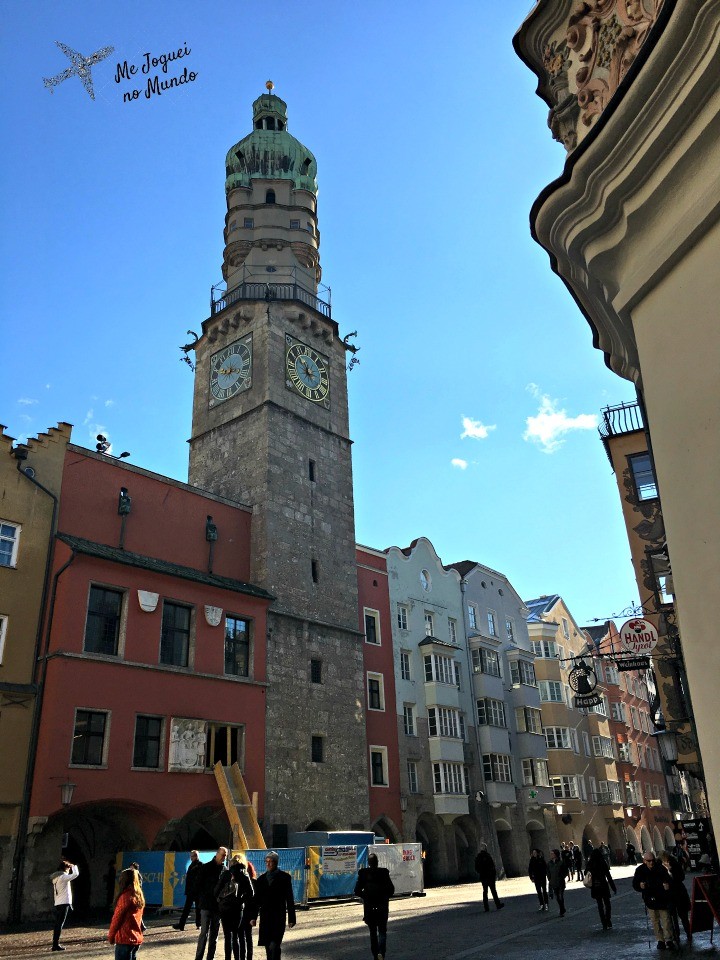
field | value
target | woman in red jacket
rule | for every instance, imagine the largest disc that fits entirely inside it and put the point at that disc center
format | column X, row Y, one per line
column 126, row 925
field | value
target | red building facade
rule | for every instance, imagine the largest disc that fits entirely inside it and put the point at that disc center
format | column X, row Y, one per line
column 153, row 668
column 380, row 706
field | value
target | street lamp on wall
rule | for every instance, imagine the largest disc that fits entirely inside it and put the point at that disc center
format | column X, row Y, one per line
column 667, row 744
column 66, row 793
column 559, row 809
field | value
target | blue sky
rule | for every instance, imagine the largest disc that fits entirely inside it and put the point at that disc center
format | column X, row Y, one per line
column 473, row 407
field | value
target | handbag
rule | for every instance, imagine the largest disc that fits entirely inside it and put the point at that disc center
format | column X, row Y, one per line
column 587, row 880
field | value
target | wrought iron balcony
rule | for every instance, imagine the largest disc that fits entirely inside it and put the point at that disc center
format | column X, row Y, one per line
column 621, row 418
column 262, row 290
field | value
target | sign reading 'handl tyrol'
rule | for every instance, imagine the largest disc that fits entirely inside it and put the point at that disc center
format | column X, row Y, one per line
column 638, row 636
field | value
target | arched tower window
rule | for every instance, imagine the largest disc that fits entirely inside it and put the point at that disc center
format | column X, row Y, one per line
column 270, row 123
column 270, row 196
column 258, row 124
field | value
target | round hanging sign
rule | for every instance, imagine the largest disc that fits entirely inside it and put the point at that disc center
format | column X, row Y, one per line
column 638, row 636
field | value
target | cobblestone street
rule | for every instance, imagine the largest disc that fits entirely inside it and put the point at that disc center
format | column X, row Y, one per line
column 447, row 924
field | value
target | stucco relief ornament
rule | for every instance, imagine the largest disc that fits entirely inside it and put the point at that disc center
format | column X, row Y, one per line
column 148, row 601
column 213, row 615
column 606, row 37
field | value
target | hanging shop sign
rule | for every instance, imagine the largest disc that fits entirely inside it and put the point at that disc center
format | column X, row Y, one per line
column 589, row 700
column 633, row 663
column 638, row 636
column 582, row 678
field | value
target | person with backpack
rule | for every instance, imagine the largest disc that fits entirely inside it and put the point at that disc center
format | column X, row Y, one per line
column 234, row 893
column 374, row 887
column 486, row 870
column 209, row 912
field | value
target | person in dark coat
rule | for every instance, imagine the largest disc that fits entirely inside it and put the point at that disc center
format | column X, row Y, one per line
column 557, row 875
column 274, row 900
column 567, row 858
column 374, row 887
column 651, row 879
column 234, row 893
column 578, row 861
column 246, row 942
column 630, row 851
column 537, row 871
column 680, row 898
column 485, row 869
column 192, row 878
column 209, row 911
column 602, row 884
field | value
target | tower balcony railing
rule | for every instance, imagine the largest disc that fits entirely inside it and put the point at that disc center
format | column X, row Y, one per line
column 263, row 290
column 621, row 418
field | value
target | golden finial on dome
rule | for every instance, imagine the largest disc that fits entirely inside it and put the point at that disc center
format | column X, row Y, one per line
column 269, row 86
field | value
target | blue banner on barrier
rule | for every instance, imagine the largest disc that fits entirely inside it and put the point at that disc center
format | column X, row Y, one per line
column 292, row 860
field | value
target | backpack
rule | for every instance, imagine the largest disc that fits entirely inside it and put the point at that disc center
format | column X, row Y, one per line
column 227, row 897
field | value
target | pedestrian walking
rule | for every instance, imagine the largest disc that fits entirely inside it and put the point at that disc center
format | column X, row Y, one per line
column 601, row 883
column 605, row 851
column 557, row 875
column 652, row 881
column 233, row 893
column 567, row 858
column 537, row 871
column 192, row 880
column 62, row 897
column 486, row 870
column 126, row 926
column 679, row 896
column 578, row 861
column 209, row 910
column 630, row 851
column 246, row 940
column 374, row 887
column 274, row 901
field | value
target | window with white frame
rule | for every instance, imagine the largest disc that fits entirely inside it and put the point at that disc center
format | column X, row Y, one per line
column 608, row 791
column 449, row 778
column 565, row 628
column 634, row 715
column 9, row 539
column 643, row 475
column 618, row 711
column 402, row 616
column 650, row 759
column 486, row 661
column 458, row 675
column 375, row 691
column 600, row 708
column 492, row 624
column 611, row 674
column 509, row 630
column 551, row 691
column 544, row 649
column 603, row 747
column 372, row 626
column 528, row 720
column 412, row 771
column 439, row 669
column 472, row 616
column 558, row 738
column 640, row 754
column 452, row 630
column 623, row 749
column 586, row 743
column 644, row 726
column 522, row 672
column 633, row 792
column 409, row 719
column 378, row 767
column 497, row 768
column 405, row 665
column 535, row 772
column 446, row 722
column 3, row 635
column 429, row 624
column 491, row 712
column 565, row 788
column 89, row 744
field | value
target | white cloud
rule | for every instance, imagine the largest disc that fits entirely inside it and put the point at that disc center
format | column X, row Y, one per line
column 460, row 464
column 88, row 417
column 109, row 403
column 475, row 429
column 550, row 426
column 27, row 402
column 47, row 386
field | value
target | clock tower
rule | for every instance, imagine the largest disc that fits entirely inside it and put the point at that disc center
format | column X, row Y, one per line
column 270, row 429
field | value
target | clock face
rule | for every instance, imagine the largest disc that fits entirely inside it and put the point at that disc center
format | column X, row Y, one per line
column 307, row 372
column 231, row 370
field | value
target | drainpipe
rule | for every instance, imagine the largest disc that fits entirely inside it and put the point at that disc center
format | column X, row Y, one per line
column 493, row 840
column 21, row 844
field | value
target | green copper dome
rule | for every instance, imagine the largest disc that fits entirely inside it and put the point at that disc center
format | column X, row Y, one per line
column 270, row 152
